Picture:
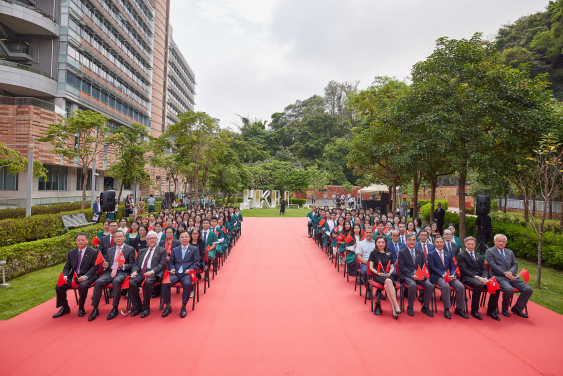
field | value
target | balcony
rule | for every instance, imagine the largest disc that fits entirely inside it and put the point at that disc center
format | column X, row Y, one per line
column 25, row 81
column 26, row 19
column 30, row 101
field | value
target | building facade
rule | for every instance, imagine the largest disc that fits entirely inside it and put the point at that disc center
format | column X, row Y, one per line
column 108, row 56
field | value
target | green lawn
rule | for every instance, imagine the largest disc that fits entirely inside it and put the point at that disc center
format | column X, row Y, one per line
column 551, row 294
column 289, row 212
column 538, row 217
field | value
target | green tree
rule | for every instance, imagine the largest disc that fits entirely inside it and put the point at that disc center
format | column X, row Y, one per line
column 295, row 181
column 15, row 162
column 79, row 139
column 347, row 187
column 318, row 178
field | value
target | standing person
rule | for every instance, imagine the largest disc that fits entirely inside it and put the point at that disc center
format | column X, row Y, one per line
column 405, row 207
column 282, row 206
column 141, row 207
column 338, row 200
column 333, row 199
column 313, row 197
column 325, row 197
column 82, row 262
column 96, row 211
column 351, row 202
column 503, row 266
column 439, row 215
column 152, row 203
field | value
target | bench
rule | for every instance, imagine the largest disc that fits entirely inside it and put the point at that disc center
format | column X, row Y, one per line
column 71, row 221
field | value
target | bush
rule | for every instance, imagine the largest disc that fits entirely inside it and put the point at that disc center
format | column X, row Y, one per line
column 24, row 258
column 36, row 227
column 240, row 199
column 425, row 209
column 298, row 201
column 37, row 210
column 445, row 203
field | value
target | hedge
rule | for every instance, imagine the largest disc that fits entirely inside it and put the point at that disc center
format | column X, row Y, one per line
column 445, row 203
column 37, row 210
column 426, row 207
column 24, row 258
column 240, row 199
column 298, row 201
column 36, row 227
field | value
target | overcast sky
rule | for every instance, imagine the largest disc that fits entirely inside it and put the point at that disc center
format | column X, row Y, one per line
column 254, row 57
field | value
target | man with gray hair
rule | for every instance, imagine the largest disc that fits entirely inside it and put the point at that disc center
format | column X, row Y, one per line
column 503, row 266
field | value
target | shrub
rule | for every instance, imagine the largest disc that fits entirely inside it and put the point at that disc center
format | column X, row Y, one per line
column 37, row 210
column 445, row 203
column 425, row 209
column 240, row 199
column 469, row 208
column 24, row 258
column 298, row 201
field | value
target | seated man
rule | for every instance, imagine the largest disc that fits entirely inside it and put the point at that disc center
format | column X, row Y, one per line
column 410, row 259
column 395, row 246
column 450, row 244
column 115, row 273
column 424, row 244
column 381, row 231
column 183, row 259
column 82, row 261
column 474, row 274
column 363, row 250
column 503, row 266
column 440, row 263
column 149, row 267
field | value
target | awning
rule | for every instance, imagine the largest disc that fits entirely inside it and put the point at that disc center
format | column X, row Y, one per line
column 374, row 188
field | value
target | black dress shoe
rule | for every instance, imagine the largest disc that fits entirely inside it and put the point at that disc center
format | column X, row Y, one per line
column 63, row 311
column 113, row 313
column 183, row 312
column 358, row 282
column 447, row 314
column 368, row 295
column 81, row 312
column 493, row 315
column 476, row 315
column 427, row 311
column 381, row 296
column 155, row 295
column 110, row 293
column 94, row 314
column 410, row 311
column 167, row 310
column 460, row 313
column 518, row 313
column 123, row 292
column 135, row 312
column 145, row 313
column 420, row 298
column 506, row 313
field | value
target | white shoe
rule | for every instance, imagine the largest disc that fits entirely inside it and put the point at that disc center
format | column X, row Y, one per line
column 192, row 294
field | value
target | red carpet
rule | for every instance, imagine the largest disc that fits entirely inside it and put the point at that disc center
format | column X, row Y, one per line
column 278, row 307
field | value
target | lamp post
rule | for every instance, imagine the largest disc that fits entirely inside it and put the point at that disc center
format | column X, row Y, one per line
column 3, row 265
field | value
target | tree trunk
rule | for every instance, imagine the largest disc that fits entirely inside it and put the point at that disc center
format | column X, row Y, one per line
column 433, row 182
column 526, row 210
column 205, row 179
column 505, row 203
column 389, row 204
column 551, row 209
column 534, row 206
column 120, row 190
column 84, row 182
column 394, row 191
column 416, row 186
column 462, row 179
column 196, row 177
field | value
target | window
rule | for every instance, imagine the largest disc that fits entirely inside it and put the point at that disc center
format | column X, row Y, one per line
column 8, row 182
column 112, row 102
column 80, row 179
column 86, row 87
column 95, row 92
column 108, row 183
column 68, row 109
column 56, row 179
column 104, row 97
column 72, row 80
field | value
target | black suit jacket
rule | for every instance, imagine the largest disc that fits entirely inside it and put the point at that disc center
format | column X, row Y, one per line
column 469, row 268
column 406, row 266
column 158, row 261
column 128, row 253
column 455, row 249
column 88, row 265
column 190, row 260
column 105, row 244
column 439, row 215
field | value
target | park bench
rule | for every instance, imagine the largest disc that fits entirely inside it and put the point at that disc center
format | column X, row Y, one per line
column 71, row 221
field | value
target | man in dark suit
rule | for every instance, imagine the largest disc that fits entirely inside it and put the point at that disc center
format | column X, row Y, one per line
column 439, row 215
column 474, row 274
column 395, row 246
column 97, row 210
column 148, row 267
column 441, row 264
column 424, row 245
column 116, row 269
column 107, row 241
column 183, row 259
column 450, row 244
column 82, row 261
column 410, row 259
column 503, row 266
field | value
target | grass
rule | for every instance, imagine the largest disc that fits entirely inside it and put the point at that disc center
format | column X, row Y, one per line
column 520, row 215
column 550, row 295
column 29, row 291
column 289, row 212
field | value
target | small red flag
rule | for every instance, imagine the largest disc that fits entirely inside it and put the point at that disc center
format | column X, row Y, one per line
column 455, row 262
column 419, row 273
column 164, row 225
column 166, row 277
column 388, row 266
column 128, row 230
column 120, row 258
column 492, row 285
column 525, row 274
column 99, row 258
column 217, row 233
column 340, row 237
column 61, row 280
column 457, row 272
column 125, row 284
column 447, row 277
column 192, row 273
column 362, row 232
column 135, row 254
column 322, row 222
column 379, row 267
column 74, row 277
column 96, row 240
column 425, row 271
column 224, row 229
column 348, row 239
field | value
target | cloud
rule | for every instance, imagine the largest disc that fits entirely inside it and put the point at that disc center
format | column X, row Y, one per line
column 255, row 57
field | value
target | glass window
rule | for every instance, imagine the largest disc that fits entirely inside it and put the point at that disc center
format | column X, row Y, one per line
column 8, row 182
column 67, row 108
column 104, row 97
column 111, row 102
column 80, row 179
column 95, row 92
column 72, row 80
column 86, row 87
column 56, row 180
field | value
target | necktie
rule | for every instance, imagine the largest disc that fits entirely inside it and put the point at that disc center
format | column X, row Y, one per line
column 425, row 253
column 205, row 237
column 78, row 262
column 503, row 256
column 473, row 256
column 111, row 241
column 147, row 261
column 413, row 258
column 115, row 265
column 183, row 255
column 403, row 239
column 449, row 247
column 442, row 257
column 397, row 248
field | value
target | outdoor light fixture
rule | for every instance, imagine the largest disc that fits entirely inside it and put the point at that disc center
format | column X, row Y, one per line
column 3, row 265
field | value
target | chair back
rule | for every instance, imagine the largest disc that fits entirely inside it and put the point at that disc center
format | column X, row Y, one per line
column 369, row 272
column 206, row 256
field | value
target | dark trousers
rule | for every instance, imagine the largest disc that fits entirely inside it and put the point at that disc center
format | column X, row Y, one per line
column 507, row 292
column 104, row 280
column 352, row 267
column 99, row 217
column 82, row 292
column 483, row 239
column 309, row 227
column 186, row 281
column 428, row 289
column 135, row 284
column 476, row 295
column 459, row 290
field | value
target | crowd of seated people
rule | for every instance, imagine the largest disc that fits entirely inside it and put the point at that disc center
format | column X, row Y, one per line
column 392, row 257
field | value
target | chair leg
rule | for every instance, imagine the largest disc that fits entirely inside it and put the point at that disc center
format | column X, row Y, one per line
column 161, row 300
column 76, row 295
column 193, row 301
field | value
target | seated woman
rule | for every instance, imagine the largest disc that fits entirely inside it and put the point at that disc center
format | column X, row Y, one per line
column 434, row 231
column 411, row 228
column 396, row 221
column 169, row 242
column 417, row 224
column 140, row 242
column 388, row 228
column 133, row 232
column 123, row 225
column 341, row 244
column 385, row 277
column 351, row 259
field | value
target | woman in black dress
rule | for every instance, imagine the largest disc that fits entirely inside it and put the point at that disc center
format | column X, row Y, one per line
column 196, row 241
column 140, row 242
column 385, row 277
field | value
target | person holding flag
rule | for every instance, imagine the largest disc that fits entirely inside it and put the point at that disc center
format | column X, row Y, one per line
column 443, row 270
column 382, row 264
column 503, row 266
column 117, row 267
column 81, row 266
column 310, row 219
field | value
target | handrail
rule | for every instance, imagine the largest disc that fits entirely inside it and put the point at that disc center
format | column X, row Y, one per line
column 30, row 101
column 24, row 67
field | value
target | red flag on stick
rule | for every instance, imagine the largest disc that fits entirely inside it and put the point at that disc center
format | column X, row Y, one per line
column 74, row 277
column 525, row 274
column 419, row 273
column 322, row 222
column 120, row 258
column 379, row 267
column 425, row 272
column 492, row 285
column 388, row 266
column 125, row 284
column 166, row 277
column 99, row 258
column 61, row 280
column 455, row 262
column 192, row 274
column 340, row 237
column 348, row 239
column 447, row 277
column 457, row 273
column 96, row 240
